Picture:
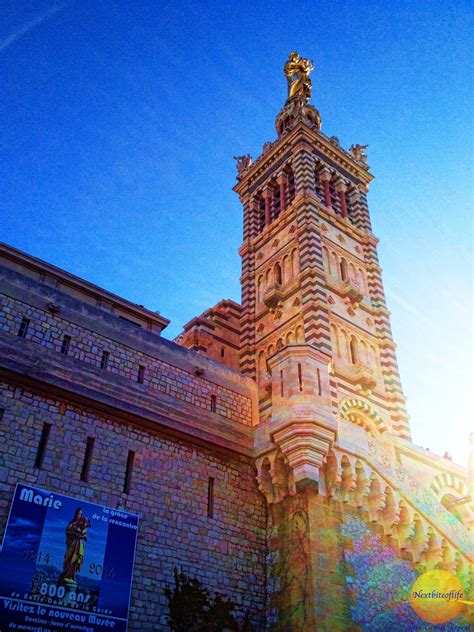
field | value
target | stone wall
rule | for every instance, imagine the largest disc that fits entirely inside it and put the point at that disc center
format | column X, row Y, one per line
column 306, row 567
column 128, row 347
column 169, row 491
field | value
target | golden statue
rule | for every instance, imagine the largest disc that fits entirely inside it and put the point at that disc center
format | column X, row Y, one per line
column 297, row 72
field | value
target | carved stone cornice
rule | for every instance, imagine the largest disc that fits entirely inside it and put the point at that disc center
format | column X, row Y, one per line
column 341, row 186
column 345, row 289
column 319, row 141
column 305, row 445
column 325, row 174
column 358, row 374
column 297, row 351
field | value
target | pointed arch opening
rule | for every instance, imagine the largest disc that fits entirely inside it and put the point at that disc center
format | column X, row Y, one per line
column 362, row 414
column 278, row 276
column 343, row 269
column 354, row 350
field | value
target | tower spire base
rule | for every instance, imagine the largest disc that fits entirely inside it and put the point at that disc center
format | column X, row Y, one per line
column 297, row 110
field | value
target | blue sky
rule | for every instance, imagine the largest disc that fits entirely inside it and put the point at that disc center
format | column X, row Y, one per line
column 120, row 121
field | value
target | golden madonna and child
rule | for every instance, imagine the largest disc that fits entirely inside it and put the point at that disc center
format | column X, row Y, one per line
column 297, row 71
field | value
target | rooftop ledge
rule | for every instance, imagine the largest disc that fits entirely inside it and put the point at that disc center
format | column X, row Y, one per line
column 17, row 259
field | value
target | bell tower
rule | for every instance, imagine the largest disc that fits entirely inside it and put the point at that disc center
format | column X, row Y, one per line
column 315, row 335
column 315, row 329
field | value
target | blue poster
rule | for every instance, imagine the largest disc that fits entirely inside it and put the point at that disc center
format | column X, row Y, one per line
column 65, row 564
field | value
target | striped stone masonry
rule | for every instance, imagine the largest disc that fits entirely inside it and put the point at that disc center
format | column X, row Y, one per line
column 400, row 419
column 360, row 210
column 247, row 336
column 313, row 290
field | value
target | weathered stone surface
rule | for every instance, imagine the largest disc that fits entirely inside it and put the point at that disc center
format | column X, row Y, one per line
column 169, row 492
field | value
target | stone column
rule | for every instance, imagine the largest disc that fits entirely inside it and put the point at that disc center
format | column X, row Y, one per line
column 341, row 188
column 283, row 183
column 267, row 195
column 325, row 177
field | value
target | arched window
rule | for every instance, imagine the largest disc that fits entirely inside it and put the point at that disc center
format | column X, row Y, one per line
column 294, row 262
column 278, row 275
column 299, row 334
column 259, row 209
column 335, row 199
column 326, row 259
column 318, row 185
column 349, row 194
column 260, row 289
column 289, row 338
column 333, row 194
column 267, row 279
column 343, row 269
column 353, row 274
column 335, row 341
column 291, row 189
column 354, row 349
column 262, row 367
column 286, row 269
column 361, row 279
column 345, row 351
column 334, row 263
column 275, row 207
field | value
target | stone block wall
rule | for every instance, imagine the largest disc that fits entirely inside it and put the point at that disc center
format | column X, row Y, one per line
column 169, row 491
column 89, row 338
column 306, row 567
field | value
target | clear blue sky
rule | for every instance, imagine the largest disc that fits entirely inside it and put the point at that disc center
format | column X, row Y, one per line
column 120, row 120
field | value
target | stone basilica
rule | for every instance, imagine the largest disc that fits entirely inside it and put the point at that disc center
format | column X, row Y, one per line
column 267, row 449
